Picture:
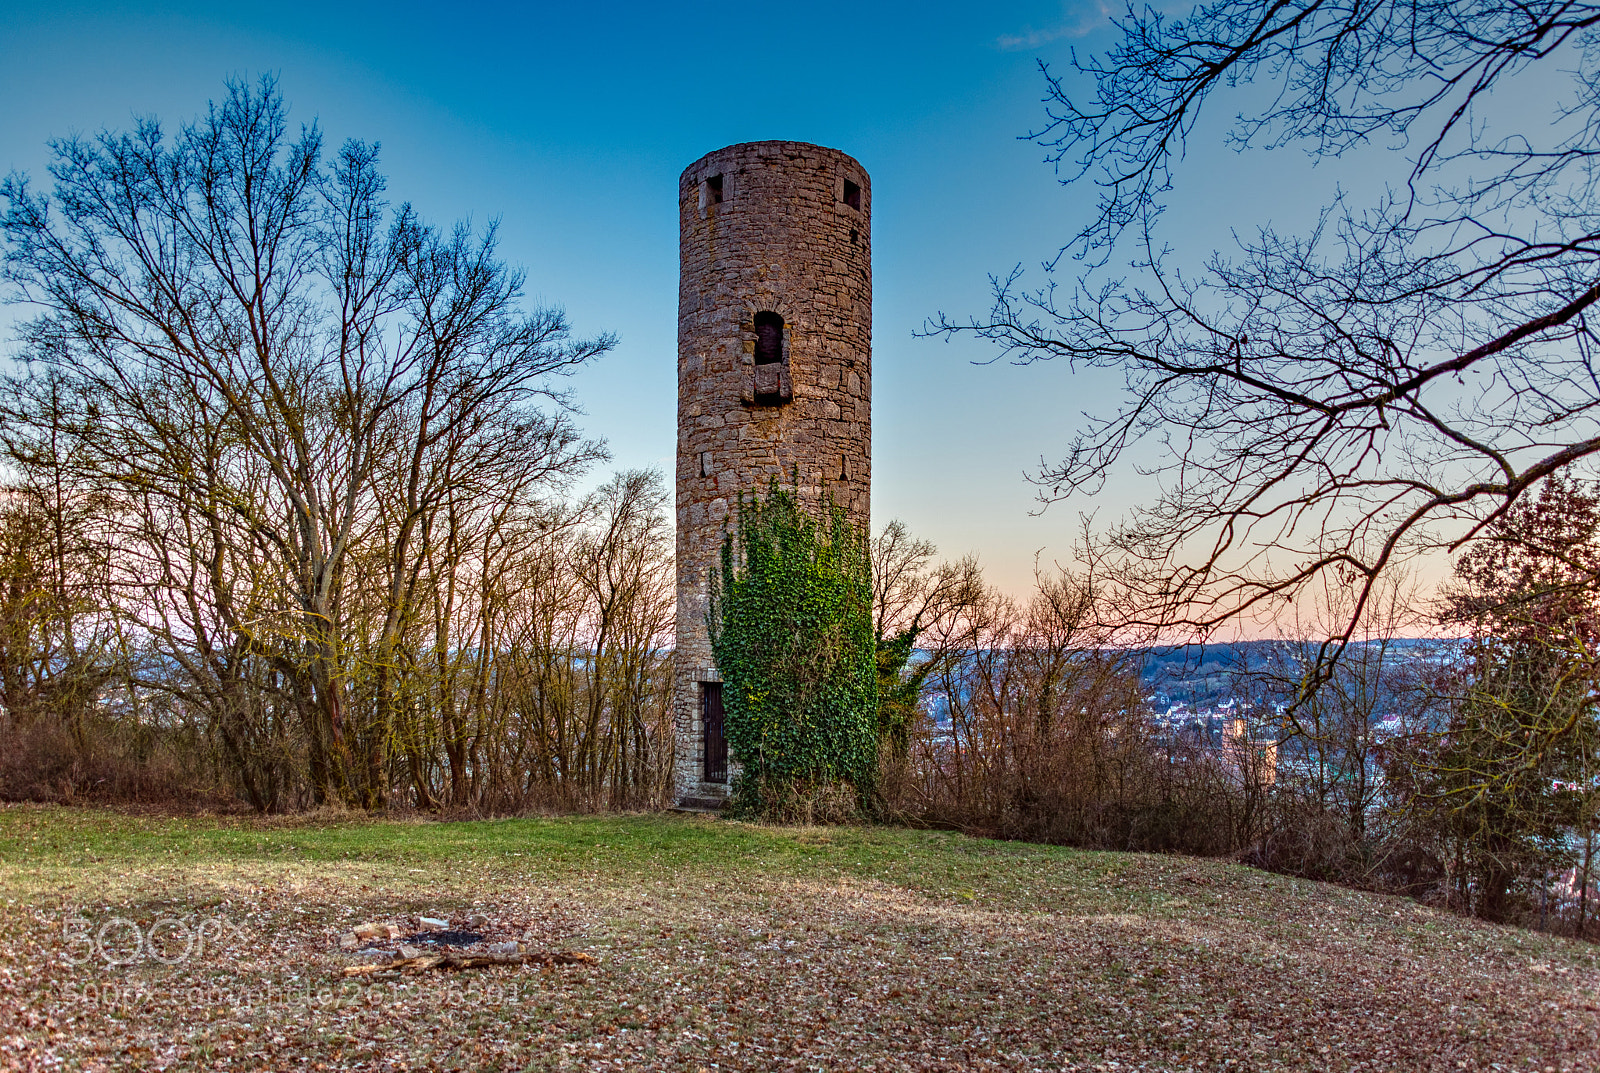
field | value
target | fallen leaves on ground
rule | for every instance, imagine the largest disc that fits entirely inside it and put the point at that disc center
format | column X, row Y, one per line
column 1030, row 958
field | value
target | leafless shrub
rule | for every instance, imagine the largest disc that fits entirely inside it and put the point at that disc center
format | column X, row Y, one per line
column 1033, row 727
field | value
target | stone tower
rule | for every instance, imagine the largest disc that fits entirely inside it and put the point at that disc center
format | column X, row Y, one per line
column 774, row 377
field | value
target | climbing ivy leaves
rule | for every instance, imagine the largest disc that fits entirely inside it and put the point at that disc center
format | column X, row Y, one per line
column 791, row 630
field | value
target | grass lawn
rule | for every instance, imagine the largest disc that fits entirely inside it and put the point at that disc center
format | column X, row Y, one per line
column 142, row 943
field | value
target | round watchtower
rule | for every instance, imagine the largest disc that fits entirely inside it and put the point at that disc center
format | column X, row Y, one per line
column 774, row 377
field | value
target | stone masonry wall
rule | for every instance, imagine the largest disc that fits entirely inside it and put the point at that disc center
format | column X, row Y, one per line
column 791, row 235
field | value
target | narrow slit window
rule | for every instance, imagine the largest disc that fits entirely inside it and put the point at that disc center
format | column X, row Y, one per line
column 714, row 190
column 769, row 339
column 852, row 195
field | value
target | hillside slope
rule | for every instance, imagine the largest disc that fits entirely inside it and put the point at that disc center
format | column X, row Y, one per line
column 727, row 946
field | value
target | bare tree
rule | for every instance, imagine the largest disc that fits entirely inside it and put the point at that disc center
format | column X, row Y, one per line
column 254, row 341
column 1034, row 728
column 624, row 565
column 912, row 598
column 57, row 646
column 1332, row 404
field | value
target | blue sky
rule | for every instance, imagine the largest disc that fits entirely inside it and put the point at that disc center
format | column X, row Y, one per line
column 570, row 123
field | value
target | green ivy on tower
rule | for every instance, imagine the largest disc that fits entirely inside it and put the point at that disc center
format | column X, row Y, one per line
column 791, row 630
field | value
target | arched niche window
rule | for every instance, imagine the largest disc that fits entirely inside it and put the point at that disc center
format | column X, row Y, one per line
column 772, row 384
column 769, row 338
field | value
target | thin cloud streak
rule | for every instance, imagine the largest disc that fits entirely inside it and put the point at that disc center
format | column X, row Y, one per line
column 1079, row 21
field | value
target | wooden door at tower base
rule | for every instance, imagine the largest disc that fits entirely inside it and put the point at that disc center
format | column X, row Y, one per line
column 715, row 745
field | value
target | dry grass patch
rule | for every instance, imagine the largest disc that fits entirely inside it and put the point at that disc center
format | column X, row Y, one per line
column 734, row 947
